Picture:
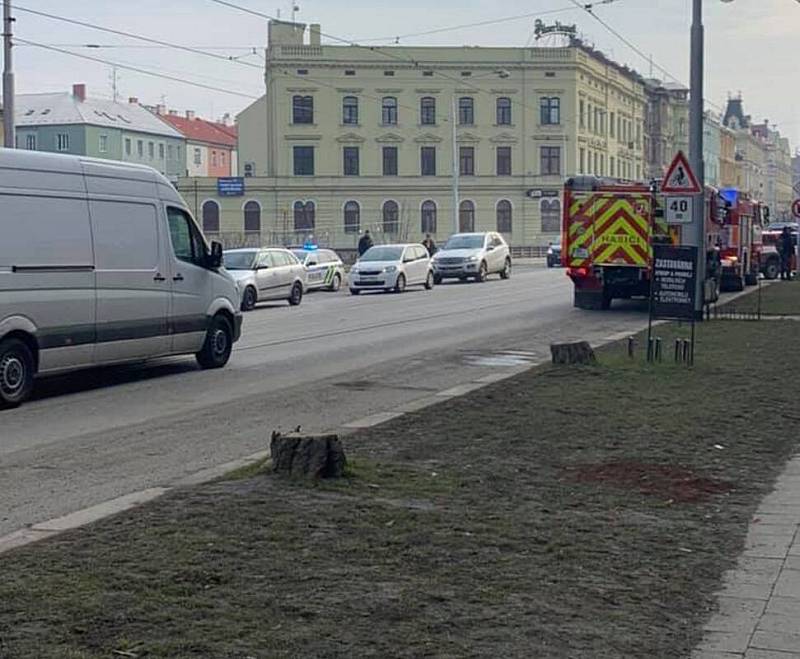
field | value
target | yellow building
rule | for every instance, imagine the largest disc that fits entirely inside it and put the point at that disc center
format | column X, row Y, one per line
column 349, row 138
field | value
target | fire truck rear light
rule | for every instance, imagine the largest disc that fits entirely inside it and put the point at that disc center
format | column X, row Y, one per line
column 578, row 272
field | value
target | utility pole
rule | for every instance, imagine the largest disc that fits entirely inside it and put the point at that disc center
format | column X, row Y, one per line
column 453, row 120
column 9, row 138
column 696, row 150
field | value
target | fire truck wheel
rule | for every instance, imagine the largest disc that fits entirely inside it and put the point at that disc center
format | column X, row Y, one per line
column 751, row 279
column 772, row 269
column 737, row 284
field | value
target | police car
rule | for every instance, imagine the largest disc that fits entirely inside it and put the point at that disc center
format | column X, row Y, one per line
column 324, row 268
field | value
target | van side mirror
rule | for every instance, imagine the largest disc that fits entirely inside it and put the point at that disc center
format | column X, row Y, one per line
column 214, row 259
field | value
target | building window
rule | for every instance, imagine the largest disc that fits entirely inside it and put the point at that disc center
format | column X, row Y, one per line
column 503, row 111
column 589, row 116
column 612, row 170
column 198, row 157
column 140, row 148
column 550, row 111
column 390, row 161
column 349, row 72
column 210, row 212
column 352, row 217
column 611, row 125
column 391, row 217
column 466, row 217
column 161, row 151
column 350, row 155
column 551, row 215
column 427, row 111
column 389, row 111
column 221, row 158
column 428, row 217
column 582, row 114
column 466, row 160
column 304, row 216
column 127, row 146
column 213, row 158
column 550, row 160
column 466, row 111
column 304, row 161
column 350, row 110
column 170, row 150
column 151, row 150
column 102, row 144
column 582, row 169
column 428, row 161
column 252, row 217
column 62, row 142
column 620, row 136
column 30, row 142
column 303, row 109
column 504, row 214
column 595, row 162
column 504, row 161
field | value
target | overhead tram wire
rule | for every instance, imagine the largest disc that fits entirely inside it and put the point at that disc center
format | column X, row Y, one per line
column 638, row 50
column 136, row 69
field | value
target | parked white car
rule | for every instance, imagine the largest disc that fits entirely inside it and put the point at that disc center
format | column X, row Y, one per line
column 262, row 274
column 473, row 256
column 392, row 268
column 102, row 263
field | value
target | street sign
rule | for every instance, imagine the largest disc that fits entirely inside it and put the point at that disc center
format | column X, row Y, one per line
column 680, row 178
column 231, row 186
column 673, row 285
column 679, row 209
column 796, row 208
column 796, row 187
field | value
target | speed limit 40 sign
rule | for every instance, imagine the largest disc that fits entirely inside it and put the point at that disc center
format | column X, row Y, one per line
column 679, row 210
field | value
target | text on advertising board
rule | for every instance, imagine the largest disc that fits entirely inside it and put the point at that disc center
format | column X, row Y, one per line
column 673, row 288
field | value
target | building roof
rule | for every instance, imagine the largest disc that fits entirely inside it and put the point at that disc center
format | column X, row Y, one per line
column 200, row 130
column 64, row 108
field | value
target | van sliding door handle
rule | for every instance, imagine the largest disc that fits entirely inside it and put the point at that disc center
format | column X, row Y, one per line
column 158, row 277
column 177, row 278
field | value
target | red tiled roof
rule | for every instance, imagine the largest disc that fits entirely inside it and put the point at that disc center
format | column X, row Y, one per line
column 200, row 130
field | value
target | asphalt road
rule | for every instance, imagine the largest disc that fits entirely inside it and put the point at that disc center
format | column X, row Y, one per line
column 97, row 435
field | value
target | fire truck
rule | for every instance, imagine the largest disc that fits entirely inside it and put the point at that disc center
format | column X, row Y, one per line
column 742, row 251
column 608, row 230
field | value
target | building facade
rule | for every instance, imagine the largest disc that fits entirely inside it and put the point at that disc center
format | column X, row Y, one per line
column 210, row 146
column 666, row 125
column 348, row 139
column 72, row 123
column 730, row 172
column 712, row 149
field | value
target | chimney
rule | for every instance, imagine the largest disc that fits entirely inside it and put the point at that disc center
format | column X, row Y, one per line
column 133, row 100
column 79, row 92
column 226, row 119
column 173, row 113
column 190, row 114
column 314, row 34
column 161, row 109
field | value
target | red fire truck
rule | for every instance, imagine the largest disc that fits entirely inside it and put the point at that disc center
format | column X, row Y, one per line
column 608, row 230
column 742, row 251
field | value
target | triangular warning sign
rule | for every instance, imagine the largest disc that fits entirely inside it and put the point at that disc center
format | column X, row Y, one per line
column 680, row 178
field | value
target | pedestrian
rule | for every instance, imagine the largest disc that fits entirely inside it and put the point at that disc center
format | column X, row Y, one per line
column 364, row 243
column 787, row 251
column 429, row 244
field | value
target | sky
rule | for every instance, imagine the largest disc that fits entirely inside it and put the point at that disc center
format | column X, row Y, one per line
column 752, row 46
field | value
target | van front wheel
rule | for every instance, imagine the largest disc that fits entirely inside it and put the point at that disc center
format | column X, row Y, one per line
column 16, row 372
column 217, row 348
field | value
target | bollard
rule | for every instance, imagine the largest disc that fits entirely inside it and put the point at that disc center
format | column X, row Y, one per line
column 650, row 349
column 631, row 346
column 686, row 348
column 677, row 350
column 658, row 349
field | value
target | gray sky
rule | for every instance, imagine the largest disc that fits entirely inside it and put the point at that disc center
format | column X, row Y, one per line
column 752, row 45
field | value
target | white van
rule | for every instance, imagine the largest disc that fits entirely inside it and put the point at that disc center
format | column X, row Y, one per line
column 101, row 263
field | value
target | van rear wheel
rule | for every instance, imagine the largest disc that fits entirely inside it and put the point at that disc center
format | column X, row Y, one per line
column 16, row 372
column 217, row 348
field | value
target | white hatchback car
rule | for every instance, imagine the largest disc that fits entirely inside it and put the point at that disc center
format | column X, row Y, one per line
column 392, row 268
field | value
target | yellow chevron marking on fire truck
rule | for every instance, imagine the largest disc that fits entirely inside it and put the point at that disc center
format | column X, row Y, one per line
column 621, row 235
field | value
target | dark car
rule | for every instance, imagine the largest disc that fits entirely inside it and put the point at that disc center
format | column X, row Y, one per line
column 554, row 255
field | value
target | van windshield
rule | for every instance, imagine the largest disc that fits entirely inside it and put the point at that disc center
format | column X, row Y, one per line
column 239, row 260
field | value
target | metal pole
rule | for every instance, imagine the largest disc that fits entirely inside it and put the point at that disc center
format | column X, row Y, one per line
column 9, row 137
column 455, row 166
column 696, row 150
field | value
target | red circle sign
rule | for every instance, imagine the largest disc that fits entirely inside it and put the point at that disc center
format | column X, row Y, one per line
column 796, row 208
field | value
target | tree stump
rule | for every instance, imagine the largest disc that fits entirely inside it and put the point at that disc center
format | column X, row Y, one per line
column 579, row 352
column 307, row 456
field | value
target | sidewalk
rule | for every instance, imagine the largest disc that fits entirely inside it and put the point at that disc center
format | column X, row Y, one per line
column 759, row 604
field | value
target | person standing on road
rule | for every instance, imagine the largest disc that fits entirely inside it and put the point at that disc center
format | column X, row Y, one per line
column 429, row 244
column 787, row 250
column 364, row 243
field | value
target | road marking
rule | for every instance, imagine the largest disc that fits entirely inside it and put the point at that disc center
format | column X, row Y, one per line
column 372, row 420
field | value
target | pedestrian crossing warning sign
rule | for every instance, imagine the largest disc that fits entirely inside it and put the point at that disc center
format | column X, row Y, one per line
column 680, row 178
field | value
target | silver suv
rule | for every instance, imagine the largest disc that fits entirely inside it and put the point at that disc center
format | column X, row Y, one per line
column 472, row 256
